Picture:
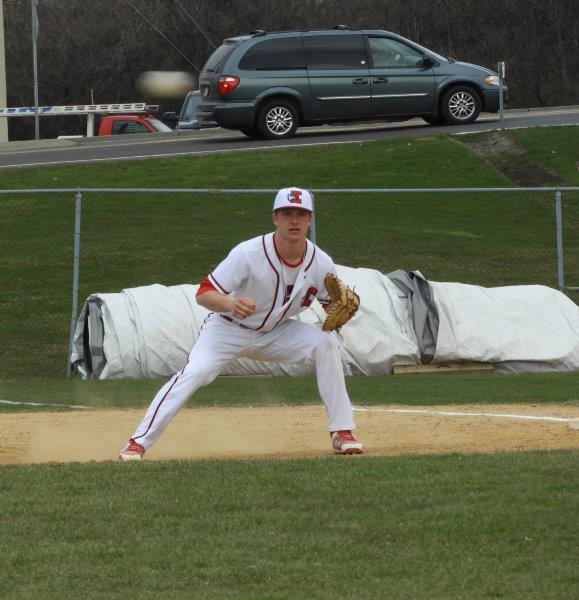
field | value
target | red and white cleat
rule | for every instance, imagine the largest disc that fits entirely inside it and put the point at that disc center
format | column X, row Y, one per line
column 343, row 442
column 132, row 451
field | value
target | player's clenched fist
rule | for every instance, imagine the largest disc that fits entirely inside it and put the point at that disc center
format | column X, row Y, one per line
column 242, row 307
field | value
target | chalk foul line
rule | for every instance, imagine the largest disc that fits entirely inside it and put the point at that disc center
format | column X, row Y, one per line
column 416, row 411
column 43, row 404
column 447, row 413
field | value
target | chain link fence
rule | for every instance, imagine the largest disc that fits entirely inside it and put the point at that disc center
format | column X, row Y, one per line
column 130, row 238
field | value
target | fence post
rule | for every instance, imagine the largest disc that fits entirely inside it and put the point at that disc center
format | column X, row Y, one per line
column 559, row 222
column 313, row 221
column 501, row 72
column 75, row 276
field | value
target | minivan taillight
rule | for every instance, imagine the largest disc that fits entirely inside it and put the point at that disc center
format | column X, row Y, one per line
column 227, row 84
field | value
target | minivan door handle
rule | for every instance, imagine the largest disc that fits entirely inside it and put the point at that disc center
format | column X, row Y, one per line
column 360, row 81
column 380, row 80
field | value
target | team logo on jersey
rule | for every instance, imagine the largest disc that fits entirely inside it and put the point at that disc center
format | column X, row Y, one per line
column 295, row 196
column 309, row 297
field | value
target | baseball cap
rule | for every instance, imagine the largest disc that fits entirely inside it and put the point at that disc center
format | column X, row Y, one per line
column 293, row 197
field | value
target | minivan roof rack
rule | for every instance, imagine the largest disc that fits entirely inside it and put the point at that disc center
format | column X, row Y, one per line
column 261, row 32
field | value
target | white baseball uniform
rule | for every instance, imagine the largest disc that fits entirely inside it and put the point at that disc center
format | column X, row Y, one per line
column 280, row 291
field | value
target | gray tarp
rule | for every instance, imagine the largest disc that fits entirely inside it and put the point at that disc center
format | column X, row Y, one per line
column 421, row 307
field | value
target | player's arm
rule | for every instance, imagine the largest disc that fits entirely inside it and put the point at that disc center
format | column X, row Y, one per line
column 241, row 308
column 215, row 291
column 213, row 300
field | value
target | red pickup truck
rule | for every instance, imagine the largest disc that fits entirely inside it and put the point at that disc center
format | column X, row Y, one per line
column 118, row 124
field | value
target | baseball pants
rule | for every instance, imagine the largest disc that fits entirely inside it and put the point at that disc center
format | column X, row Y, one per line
column 220, row 341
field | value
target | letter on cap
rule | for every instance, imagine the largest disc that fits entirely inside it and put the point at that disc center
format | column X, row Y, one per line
column 295, row 196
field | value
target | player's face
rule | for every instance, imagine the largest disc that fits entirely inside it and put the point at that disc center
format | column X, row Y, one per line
column 292, row 223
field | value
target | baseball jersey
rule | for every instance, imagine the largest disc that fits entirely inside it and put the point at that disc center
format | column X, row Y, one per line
column 279, row 290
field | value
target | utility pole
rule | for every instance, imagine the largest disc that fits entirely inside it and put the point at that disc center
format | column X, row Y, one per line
column 33, row 4
column 3, row 101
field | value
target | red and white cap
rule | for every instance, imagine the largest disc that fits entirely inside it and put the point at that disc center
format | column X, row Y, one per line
column 293, row 197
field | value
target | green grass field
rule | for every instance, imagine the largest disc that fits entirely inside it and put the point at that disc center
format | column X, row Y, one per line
column 419, row 390
column 497, row 526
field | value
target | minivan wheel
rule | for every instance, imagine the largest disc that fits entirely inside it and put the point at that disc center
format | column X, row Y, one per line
column 460, row 105
column 277, row 119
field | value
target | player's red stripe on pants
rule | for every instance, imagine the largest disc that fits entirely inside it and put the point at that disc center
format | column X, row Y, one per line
column 159, row 405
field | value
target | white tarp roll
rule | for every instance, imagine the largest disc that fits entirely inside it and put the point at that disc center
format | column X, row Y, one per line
column 521, row 329
column 147, row 332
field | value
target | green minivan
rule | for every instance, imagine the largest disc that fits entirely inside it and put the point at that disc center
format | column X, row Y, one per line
column 266, row 84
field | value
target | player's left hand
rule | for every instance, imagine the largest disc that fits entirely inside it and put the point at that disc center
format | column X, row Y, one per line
column 345, row 303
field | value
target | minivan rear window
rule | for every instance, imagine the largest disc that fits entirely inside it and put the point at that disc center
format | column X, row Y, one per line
column 275, row 55
column 218, row 58
column 335, row 51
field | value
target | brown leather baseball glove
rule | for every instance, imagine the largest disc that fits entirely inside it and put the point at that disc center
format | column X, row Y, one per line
column 345, row 303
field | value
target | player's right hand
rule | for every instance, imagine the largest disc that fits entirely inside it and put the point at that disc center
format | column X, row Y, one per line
column 242, row 307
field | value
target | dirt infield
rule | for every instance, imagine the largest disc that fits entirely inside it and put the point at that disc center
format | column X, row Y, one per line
column 282, row 432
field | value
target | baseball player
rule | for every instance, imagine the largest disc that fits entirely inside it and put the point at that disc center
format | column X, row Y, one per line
column 253, row 295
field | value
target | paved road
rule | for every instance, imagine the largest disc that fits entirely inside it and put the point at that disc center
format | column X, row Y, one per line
column 216, row 141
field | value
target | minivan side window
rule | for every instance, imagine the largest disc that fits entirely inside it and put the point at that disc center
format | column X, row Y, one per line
column 335, row 51
column 274, row 55
column 388, row 53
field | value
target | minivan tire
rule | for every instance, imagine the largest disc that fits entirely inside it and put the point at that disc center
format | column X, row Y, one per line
column 277, row 119
column 460, row 105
